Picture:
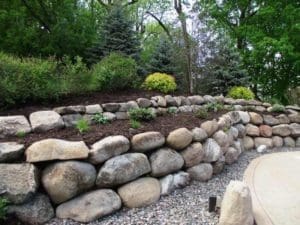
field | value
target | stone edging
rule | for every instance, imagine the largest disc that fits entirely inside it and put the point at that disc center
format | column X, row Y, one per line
column 67, row 116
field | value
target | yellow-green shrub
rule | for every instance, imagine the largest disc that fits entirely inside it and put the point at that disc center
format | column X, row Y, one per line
column 160, row 82
column 241, row 93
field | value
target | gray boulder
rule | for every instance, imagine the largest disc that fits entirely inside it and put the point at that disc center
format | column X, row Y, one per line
column 270, row 120
column 143, row 102
column 70, row 120
column 289, row 142
column 107, row 148
column 90, row 206
column 210, row 127
column 36, row 211
column 252, row 130
column 147, row 141
column 121, row 169
column 294, row 118
column 73, row 109
column 282, row 130
column 199, row 134
column 221, row 138
column 179, row 138
column 125, row 107
column 212, row 151
column 45, row 120
column 111, row 107
column 12, row 125
column 64, row 180
column 174, row 181
column 93, row 109
column 19, row 182
column 165, row 161
column 193, row 154
column 10, row 151
column 248, row 143
column 277, row 141
column 231, row 155
column 196, row 100
column 255, row 118
column 263, row 141
column 295, row 129
column 202, row 172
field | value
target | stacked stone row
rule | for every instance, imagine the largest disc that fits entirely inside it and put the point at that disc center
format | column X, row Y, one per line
column 67, row 116
column 84, row 183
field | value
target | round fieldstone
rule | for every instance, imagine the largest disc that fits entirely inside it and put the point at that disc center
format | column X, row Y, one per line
column 252, row 130
column 277, row 141
column 10, row 151
column 268, row 142
column 210, row 127
column 212, row 151
column 202, row 172
column 289, row 142
column 45, row 120
column 199, row 134
column 193, row 154
column 248, row 143
column 147, row 141
column 255, row 118
column 180, row 138
column 221, row 138
column 12, row 125
column 231, row 155
column 265, row 130
column 282, row 130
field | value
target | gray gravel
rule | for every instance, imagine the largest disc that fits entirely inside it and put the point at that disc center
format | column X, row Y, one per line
column 186, row 206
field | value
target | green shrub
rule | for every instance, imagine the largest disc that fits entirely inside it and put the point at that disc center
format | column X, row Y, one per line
column 115, row 71
column 141, row 114
column 202, row 113
column 241, row 93
column 100, row 118
column 172, row 110
column 82, row 126
column 21, row 134
column 3, row 208
column 277, row 108
column 135, row 124
column 160, row 82
column 214, row 107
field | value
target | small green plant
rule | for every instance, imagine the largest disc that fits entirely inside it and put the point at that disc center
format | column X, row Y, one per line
column 99, row 118
column 172, row 110
column 241, row 93
column 3, row 208
column 202, row 113
column 82, row 126
column 214, row 107
column 160, row 82
column 141, row 114
column 21, row 134
column 277, row 108
column 135, row 124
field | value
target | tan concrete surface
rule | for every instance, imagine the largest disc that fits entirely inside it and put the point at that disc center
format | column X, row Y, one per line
column 274, row 181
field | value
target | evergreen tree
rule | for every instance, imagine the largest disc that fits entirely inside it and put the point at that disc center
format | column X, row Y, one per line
column 117, row 36
column 162, row 58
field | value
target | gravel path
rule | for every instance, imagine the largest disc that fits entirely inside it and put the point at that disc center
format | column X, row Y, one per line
column 186, row 206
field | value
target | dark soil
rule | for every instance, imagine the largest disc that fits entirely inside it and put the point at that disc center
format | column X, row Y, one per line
column 164, row 124
column 90, row 98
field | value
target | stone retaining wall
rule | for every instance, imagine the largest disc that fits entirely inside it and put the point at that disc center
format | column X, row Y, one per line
column 84, row 183
column 67, row 116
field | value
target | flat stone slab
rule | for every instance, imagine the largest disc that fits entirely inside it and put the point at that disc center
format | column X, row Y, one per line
column 274, row 181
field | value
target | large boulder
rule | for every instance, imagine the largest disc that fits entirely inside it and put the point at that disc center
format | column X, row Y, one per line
column 165, row 161
column 282, row 130
column 90, row 206
column 199, row 134
column 64, row 180
column 252, row 130
column 107, row 148
column 147, row 141
column 277, row 141
column 219, row 165
column 179, row 138
column 196, row 100
column 245, row 118
column 210, row 127
column 173, row 181
column 235, row 117
column 241, row 129
column 51, row 149
column 111, row 107
column 265, row 130
column 212, row 151
column 160, row 100
column 294, row 118
column 12, row 125
column 231, row 155
column 298, row 142
column 283, row 119
column 45, row 120
column 193, row 154
column 270, row 120
column 248, row 143
column 140, row 193
column 224, row 122
column 72, row 109
column 295, row 129
column 37, row 210
column 70, row 120
column 289, row 142
column 93, row 109
column 236, row 208
column 202, row 172
column 268, row 142
column 125, row 107
column 143, row 102
column 170, row 100
column 18, row 182
column 255, row 118
column 221, row 138
column 10, row 151
column 123, row 168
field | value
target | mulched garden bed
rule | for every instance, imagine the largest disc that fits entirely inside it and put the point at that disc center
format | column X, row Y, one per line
column 86, row 99
column 164, row 124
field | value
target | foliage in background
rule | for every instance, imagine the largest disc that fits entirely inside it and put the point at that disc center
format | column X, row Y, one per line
column 277, row 108
column 115, row 72
column 3, row 208
column 160, row 82
column 141, row 114
column 241, row 93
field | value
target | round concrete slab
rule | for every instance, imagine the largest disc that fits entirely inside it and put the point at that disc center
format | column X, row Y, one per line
column 274, row 181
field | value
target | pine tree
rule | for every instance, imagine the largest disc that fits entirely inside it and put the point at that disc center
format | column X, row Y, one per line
column 117, row 35
column 162, row 58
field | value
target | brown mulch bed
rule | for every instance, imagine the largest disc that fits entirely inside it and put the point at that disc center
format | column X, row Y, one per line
column 164, row 124
column 86, row 99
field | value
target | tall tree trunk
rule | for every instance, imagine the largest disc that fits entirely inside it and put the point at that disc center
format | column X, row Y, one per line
column 187, row 45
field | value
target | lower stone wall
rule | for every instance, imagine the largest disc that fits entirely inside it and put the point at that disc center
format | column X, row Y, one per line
column 84, row 183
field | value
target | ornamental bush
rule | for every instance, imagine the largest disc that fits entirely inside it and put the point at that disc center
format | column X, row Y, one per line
column 240, row 92
column 160, row 82
column 115, row 71
column 141, row 114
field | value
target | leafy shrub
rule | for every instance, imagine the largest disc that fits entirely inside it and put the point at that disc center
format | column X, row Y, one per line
column 277, row 108
column 21, row 134
column 214, row 107
column 160, row 82
column 172, row 110
column 3, row 208
column 135, row 124
column 241, row 93
column 141, row 114
column 202, row 113
column 82, row 126
column 115, row 71
column 100, row 118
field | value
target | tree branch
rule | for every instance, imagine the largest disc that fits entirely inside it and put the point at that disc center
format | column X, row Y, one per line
column 161, row 24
